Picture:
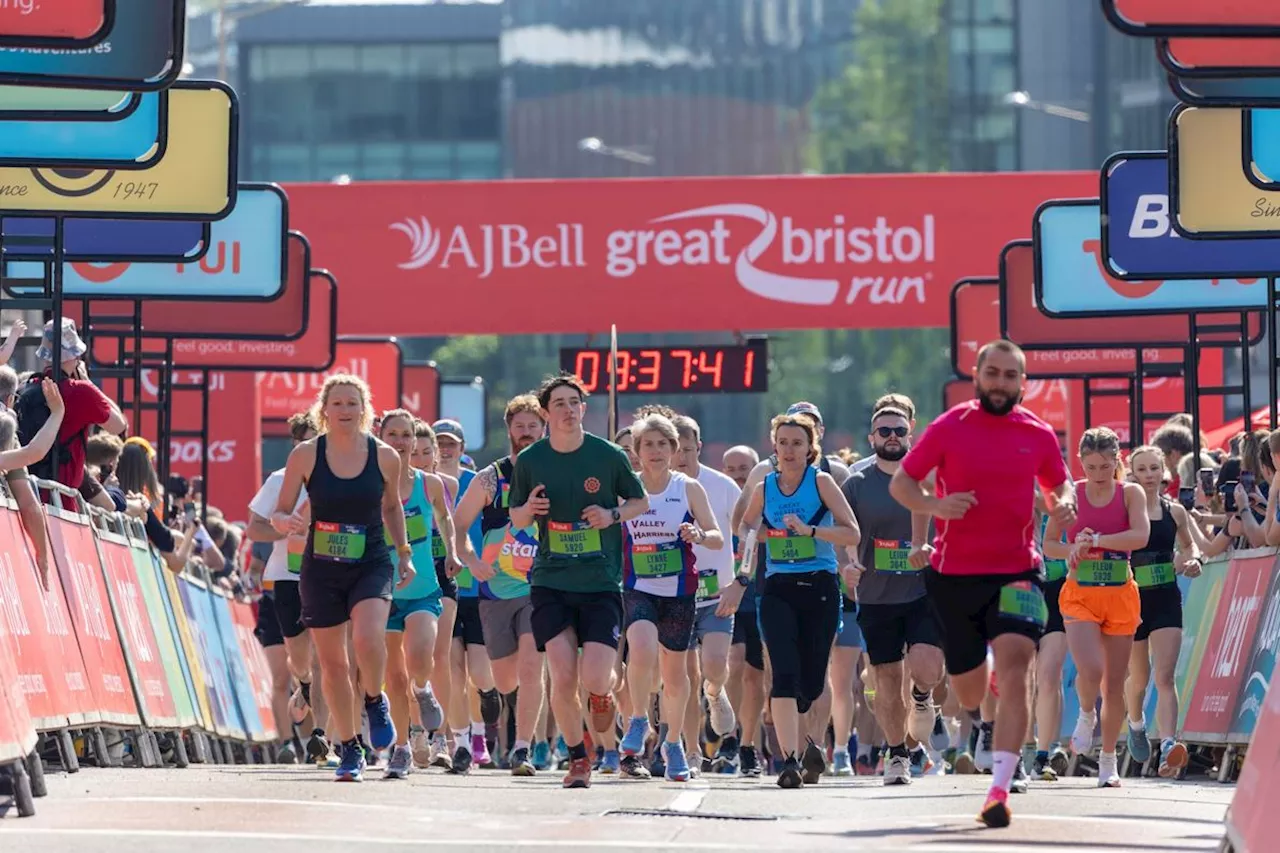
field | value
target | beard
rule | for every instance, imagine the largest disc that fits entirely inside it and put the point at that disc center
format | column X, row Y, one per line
column 892, row 454
column 990, row 407
column 521, row 443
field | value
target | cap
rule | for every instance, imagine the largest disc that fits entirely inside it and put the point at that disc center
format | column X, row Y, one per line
column 803, row 408
column 451, row 428
column 72, row 346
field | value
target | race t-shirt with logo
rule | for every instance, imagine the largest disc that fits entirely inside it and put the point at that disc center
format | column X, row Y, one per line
column 716, row 568
column 509, row 551
column 279, row 566
column 572, row 556
column 467, row 585
column 886, row 540
column 655, row 560
column 419, row 521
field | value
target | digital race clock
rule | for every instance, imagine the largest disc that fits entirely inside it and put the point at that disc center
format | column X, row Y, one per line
column 674, row 370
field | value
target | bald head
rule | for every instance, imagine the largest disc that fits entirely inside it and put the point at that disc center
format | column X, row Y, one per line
column 738, row 462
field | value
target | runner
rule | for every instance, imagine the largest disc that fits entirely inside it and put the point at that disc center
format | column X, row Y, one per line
column 1100, row 603
column 347, row 572
column 503, row 569
column 570, row 484
column 897, row 618
column 902, row 403
column 435, row 698
column 987, row 574
column 662, row 580
column 737, row 462
column 1159, row 637
column 416, row 608
column 804, row 518
column 623, row 440
column 746, row 685
column 1051, row 760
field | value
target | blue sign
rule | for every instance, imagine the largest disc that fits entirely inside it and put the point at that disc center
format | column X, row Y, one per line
column 204, row 634
column 130, row 142
column 241, row 686
column 1071, row 279
column 1263, row 143
column 1140, row 244
column 246, row 260
column 103, row 239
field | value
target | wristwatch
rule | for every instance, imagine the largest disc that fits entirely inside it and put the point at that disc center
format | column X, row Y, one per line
column 617, row 514
column 742, row 580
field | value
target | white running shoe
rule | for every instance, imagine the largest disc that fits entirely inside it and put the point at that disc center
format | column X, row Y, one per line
column 920, row 723
column 1082, row 737
column 984, row 755
column 722, row 717
column 897, row 770
column 1108, row 777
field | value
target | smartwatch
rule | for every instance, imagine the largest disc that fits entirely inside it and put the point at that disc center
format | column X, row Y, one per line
column 742, row 580
column 617, row 514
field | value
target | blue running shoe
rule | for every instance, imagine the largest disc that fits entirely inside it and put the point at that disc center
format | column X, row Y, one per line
column 611, row 763
column 352, row 767
column 840, row 765
column 637, row 732
column 1139, row 744
column 542, row 755
column 382, row 731
column 562, row 750
column 677, row 764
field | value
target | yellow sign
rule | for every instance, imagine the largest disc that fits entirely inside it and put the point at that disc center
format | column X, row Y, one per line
column 1213, row 193
column 196, row 178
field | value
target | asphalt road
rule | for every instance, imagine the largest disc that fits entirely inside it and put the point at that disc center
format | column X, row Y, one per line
column 203, row 809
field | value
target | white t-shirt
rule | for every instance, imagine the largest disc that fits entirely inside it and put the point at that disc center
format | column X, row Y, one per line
column 264, row 504
column 722, row 493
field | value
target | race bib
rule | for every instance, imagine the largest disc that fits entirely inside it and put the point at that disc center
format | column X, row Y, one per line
column 659, row 560
column 437, row 546
column 415, row 527
column 787, row 547
column 504, row 501
column 295, row 547
column 1155, row 574
column 708, row 584
column 1024, row 601
column 1055, row 570
column 1103, row 568
column 339, row 543
column 573, row 539
column 891, row 556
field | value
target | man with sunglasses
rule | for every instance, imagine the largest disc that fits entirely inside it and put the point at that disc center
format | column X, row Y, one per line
column 897, row 619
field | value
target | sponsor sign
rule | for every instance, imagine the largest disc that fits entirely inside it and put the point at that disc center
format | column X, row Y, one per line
column 193, row 667
column 864, row 251
column 104, row 240
column 466, row 401
column 17, row 730
column 198, row 604
column 1193, row 17
column 196, row 178
column 1072, row 281
column 43, row 101
column 1210, row 57
column 1211, row 196
column 245, row 708
column 377, row 362
column 1253, row 822
column 133, row 141
column 1138, row 242
column 142, row 51
column 1262, row 148
column 257, row 670
column 420, row 391
column 1261, row 664
column 57, row 23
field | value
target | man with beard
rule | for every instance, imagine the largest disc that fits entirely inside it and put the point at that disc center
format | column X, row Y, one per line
column 897, row 619
column 503, row 572
column 987, row 573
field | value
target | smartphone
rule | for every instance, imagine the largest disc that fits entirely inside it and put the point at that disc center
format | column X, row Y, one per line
column 1247, row 480
column 1228, row 492
column 1187, row 497
column 1206, row 480
column 189, row 511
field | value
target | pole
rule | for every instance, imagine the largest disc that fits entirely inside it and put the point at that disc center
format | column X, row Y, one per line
column 613, row 382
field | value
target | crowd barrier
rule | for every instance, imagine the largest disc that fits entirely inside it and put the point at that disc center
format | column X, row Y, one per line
column 116, row 641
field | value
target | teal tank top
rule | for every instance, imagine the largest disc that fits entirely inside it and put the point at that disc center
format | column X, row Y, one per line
column 418, row 523
column 786, row 552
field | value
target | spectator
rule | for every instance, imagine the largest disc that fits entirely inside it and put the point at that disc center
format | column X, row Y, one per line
column 141, row 490
column 101, row 455
column 16, row 330
column 13, row 462
column 19, row 483
column 227, row 539
column 1177, row 443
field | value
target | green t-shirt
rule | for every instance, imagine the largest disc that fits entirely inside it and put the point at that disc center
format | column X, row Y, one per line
column 571, row 556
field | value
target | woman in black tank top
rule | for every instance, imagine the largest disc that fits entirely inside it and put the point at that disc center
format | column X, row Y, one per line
column 353, row 483
column 1170, row 551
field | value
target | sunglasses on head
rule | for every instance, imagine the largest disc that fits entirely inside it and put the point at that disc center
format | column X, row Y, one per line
column 885, row 432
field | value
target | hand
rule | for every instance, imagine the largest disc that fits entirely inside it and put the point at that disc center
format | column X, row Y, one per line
column 53, row 398
column 1242, row 498
column 1192, row 568
column 452, row 568
column 407, row 572
column 294, row 524
column 16, row 330
column 1064, row 514
column 796, row 526
column 954, row 506
column 1078, row 552
column 253, row 581
column 538, row 504
column 920, row 557
column 690, row 533
column 42, row 571
column 598, row 517
column 730, row 600
column 480, row 570
column 852, row 573
column 1085, row 537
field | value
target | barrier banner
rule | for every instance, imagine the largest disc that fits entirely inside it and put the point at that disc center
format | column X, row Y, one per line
column 244, row 673
column 17, row 732
column 191, row 663
column 150, row 681
column 255, row 659
column 1253, row 821
column 76, row 553
column 244, row 711
column 1261, row 664
column 1198, row 608
column 204, row 629
column 50, row 669
column 1213, row 699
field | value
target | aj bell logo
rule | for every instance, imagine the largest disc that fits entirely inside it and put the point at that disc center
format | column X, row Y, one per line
column 512, row 247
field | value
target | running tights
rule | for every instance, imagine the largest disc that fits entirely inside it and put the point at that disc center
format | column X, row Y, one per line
column 799, row 617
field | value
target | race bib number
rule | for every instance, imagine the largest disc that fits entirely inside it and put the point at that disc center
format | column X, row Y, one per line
column 1025, row 602
column 659, row 560
column 573, row 539
column 786, row 547
column 339, row 543
column 437, row 546
column 415, row 527
column 1055, row 570
column 295, row 547
column 1103, row 568
column 891, row 555
column 1155, row 574
column 708, row 585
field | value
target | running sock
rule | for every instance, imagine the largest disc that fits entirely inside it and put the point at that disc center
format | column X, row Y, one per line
column 974, row 714
column 578, row 752
column 1042, row 755
column 479, row 727
column 521, row 744
column 1140, row 723
column 305, row 687
column 490, row 705
column 373, row 700
column 840, row 750
column 864, row 750
column 919, row 695
column 899, row 751
column 1003, row 766
column 462, row 738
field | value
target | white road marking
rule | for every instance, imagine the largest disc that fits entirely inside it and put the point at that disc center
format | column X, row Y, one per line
column 243, row 801
column 688, row 801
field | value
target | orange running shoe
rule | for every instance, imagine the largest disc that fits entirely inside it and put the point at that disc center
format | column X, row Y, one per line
column 604, row 714
column 579, row 774
column 995, row 814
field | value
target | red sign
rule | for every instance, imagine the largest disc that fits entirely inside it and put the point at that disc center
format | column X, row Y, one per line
column 1194, row 56
column 1025, row 324
column 257, row 670
column 17, row 729
column 421, row 391
column 802, row 252
column 377, row 362
column 151, row 683
column 1192, row 17
column 63, row 20
column 1226, row 654
column 235, row 440
column 1253, row 821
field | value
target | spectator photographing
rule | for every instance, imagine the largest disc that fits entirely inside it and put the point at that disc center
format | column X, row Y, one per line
column 142, row 494
column 19, row 482
column 13, row 461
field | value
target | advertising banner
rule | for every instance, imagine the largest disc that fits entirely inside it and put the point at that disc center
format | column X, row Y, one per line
column 1138, row 243
column 1235, row 623
column 1253, row 821
column 1261, row 662
column 1193, row 17
column 142, row 51
column 134, row 141
column 258, row 671
column 247, row 260
column 1198, row 609
column 204, row 631
column 17, row 730
column 1211, row 196
column 1072, row 281
column 377, row 362
column 104, row 240
column 65, row 24
column 795, row 252
column 420, row 391
column 196, row 178
column 235, row 440
column 90, row 104
column 1223, row 57
column 246, row 706
column 193, row 666
column 1262, row 148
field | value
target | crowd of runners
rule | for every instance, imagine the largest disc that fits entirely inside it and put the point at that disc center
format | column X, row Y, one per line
column 621, row 608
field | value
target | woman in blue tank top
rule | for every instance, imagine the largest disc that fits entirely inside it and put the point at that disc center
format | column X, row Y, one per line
column 801, row 517
column 348, row 572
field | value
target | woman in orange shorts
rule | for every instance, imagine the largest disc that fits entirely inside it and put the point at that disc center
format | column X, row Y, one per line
column 1100, row 604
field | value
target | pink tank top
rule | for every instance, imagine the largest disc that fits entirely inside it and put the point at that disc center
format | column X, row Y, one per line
column 1101, row 567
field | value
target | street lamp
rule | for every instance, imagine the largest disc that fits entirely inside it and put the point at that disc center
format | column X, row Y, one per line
column 594, row 145
column 1024, row 100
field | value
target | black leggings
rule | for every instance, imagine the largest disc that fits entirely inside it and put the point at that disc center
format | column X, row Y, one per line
column 799, row 617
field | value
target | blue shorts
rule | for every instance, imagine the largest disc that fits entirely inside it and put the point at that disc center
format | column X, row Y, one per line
column 707, row 622
column 402, row 608
column 850, row 635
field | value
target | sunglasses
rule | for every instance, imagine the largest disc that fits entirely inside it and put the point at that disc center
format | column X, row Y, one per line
column 885, row 432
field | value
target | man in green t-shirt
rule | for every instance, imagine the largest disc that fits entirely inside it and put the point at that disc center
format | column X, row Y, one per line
column 578, row 489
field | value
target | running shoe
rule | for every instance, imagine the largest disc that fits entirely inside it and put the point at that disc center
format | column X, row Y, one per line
column 921, row 763
column 1019, row 783
column 520, row 763
column 814, row 763
column 1108, row 775
column 748, row 762
column 1082, row 736
column 461, row 761
column 1139, row 745
column 726, row 759
column 964, row 764
column 677, row 764
column 604, row 713
column 863, row 766
column 637, row 732
column 840, row 765
column 298, row 707
column 480, row 753
column 1173, row 757
column 318, row 748
column 429, row 707
column 790, row 776
column 939, row 738
column 382, row 731
column 286, row 755
column 1041, row 769
column 996, row 814
column 633, row 767
column 401, row 763
column 490, row 705
column 983, row 755
column 420, row 745
column 723, row 720
column 562, row 750
column 611, row 763
column 579, row 774
column 542, row 755
column 441, row 748
column 1059, row 761
column 897, row 770
column 936, row 764
column 352, row 767
column 920, row 723
column 370, row 756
